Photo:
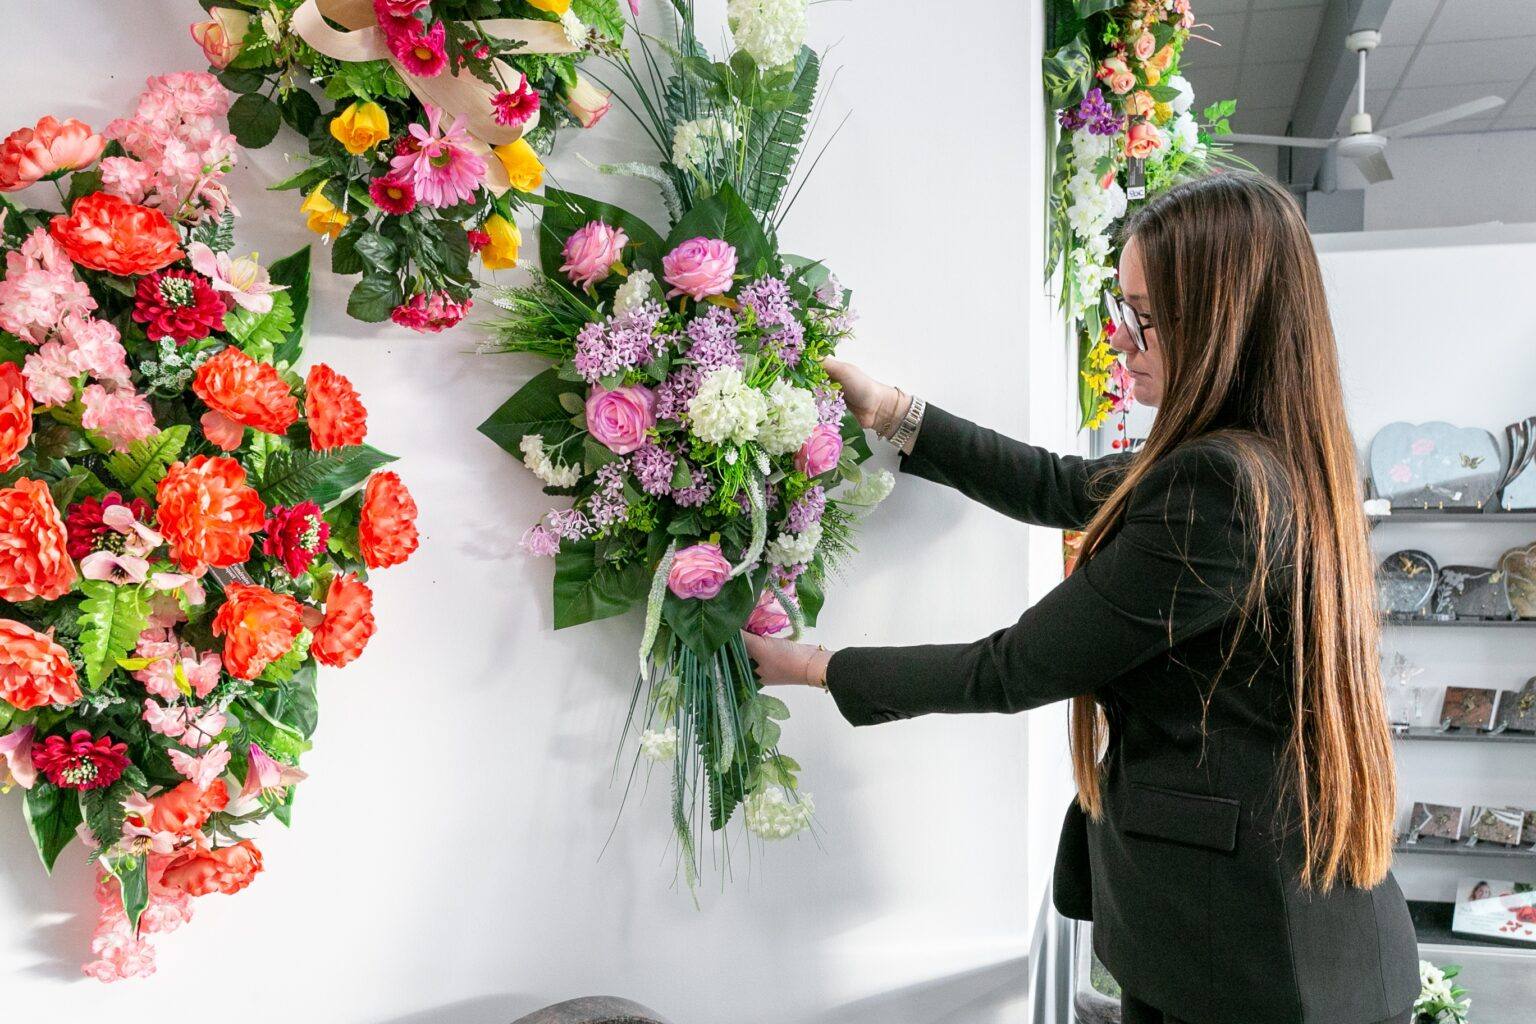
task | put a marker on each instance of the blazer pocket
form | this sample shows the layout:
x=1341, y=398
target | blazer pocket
x=1193, y=819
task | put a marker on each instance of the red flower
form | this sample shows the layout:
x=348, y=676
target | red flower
x=395, y=196
x=477, y=239
x=422, y=50
x=86, y=528
x=15, y=416
x=208, y=512
x=336, y=415
x=295, y=536
x=227, y=869
x=105, y=232
x=386, y=528
x=241, y=392
x=258, y=627
x=348, y=624
x=81, y=762
x=430, y=312
x=516, y=107
x=178, y=304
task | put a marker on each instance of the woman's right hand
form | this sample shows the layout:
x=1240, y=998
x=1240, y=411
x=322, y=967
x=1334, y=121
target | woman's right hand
x=876, y=406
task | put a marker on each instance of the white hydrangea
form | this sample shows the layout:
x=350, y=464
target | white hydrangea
x=1186, y=97
x=1185, y=133
x=575, y=29
x=770, y=31
x=871, y=491
x=795, y=548
x=726, y=410
x=791, y=418
x=696, y=143
x=659, y=746
x=1088, y=148
x=545, y=468
x=1163, y=150
x=634, y=292
x=771, y=814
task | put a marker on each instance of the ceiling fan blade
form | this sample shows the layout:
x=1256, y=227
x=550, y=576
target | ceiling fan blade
x=1374, y=167
x=1279, y=140
x=1444, y=117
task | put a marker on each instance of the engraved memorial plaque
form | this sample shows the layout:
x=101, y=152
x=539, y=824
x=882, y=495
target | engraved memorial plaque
x=1405, y=582
x=1435, y=465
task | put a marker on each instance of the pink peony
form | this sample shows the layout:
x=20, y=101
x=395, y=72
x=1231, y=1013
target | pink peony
x=768, y=617
x=121, y=416
x=591, y=252
x=47, y=152
x=619, y=419
x=820, y=452
x=699, y=571
x=699, y=268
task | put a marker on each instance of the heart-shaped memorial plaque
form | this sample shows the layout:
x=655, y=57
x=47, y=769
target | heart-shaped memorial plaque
x=1435, y=465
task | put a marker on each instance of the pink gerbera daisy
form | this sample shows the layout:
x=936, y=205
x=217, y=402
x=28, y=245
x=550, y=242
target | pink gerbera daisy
x=393, y=194
x=516, y=107
x=443, y=168
x=423, y=51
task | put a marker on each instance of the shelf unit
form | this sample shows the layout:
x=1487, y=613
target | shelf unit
x=1441, y=848
x=1426, y=732
x=1459, y=623
x=1430, y=515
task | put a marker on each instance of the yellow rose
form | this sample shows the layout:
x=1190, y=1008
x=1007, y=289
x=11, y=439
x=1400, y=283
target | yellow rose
x=1162, y=113
x=501, y=253
x=1153, y=75
x=360, y=127
x=552, y=6
x=524, y=169
x=322, y=215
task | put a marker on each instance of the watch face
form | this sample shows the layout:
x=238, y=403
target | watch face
x=1434, y=821
x=1468, y=708
x=1502, y=825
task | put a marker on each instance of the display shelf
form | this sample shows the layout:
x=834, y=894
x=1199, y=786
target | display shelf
x=1441, y=848
x=1460, y=623
x=1432, y=922
x=1429, y=732
x=1431, y=515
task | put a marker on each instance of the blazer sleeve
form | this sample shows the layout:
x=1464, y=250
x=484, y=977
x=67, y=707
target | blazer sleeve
x=1017, y=479
x=1178, y=565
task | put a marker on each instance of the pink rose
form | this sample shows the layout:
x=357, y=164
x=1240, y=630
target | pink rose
x=768, y=617
x=1146, y=45
x=587, y=103
x=620, y=418
x=1142, y=141
x=699, y=268
x=1117, y=76
x=223, y=36
x=699, y=571
x=820, y=451
x=592, y=251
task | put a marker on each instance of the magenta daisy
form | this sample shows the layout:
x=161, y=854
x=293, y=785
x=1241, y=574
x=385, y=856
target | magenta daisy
x=516, y=107
x=421, y=51
x=443, y=168
x=393, y=194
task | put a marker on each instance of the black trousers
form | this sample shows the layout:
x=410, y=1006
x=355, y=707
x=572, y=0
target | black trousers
x=1134, y=1011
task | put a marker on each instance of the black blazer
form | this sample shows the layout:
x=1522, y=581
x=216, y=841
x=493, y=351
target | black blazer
x=1196, y=905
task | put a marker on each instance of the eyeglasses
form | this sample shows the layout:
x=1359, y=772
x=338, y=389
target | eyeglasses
x=1125, y=318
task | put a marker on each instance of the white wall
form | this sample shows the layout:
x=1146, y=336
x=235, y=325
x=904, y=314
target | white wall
x=444, y=864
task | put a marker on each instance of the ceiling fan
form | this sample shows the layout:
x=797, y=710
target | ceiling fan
x=1364, y=146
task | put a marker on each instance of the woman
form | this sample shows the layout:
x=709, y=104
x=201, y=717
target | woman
x=1218, y=639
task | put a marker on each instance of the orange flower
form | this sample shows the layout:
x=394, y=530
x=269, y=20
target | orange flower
x=336, y=415
x=242, y=393
x=34, y=561
x=386, y=529
x=208, y=513
x=183, y=810
x=33, y=669
x=227, y=869
x=106, y=232
x=348, y=623
x=50, y=150
x=258, y=627
x=15, y=416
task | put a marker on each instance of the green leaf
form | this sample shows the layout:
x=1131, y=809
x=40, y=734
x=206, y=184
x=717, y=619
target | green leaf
x=52, y=814
x=727, y=216
x=299, y=110
x=282, y=670
x=133, y=882
x=603, y=15
x=83, y=183
x=295, y=702
x=143, y=465
x=566, y=212
x=374, y=298
x=260, y=334
x=537, y=408
x=236, y=80
x=382, y=254
x=254, y=120
x=218, y=235
x=292, y=476
x=1068, y=73
x=586, y=591
x=292, y=272
x=303, y=180
x=808, y=592
x=706, y=625
x=111, y=619
x=760, y=717
x=775, y=136
x=102, y=810
x=12, y=349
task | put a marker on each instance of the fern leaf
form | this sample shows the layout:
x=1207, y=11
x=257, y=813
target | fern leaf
x=143, y=465
x=111, y=619
x=259, y=334
x=774, y=138
x=289, y=477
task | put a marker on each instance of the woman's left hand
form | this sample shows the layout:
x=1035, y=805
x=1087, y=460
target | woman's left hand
x=784, y=662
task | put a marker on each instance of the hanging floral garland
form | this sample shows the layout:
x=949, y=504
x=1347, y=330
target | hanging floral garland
x=1128, y=132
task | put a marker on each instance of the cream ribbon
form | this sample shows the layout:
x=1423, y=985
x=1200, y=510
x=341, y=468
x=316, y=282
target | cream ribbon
x=456, y=93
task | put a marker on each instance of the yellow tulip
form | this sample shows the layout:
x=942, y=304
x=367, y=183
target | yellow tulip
x=501, y=253
x=322, y=215
x=524, y=168
x=552, y=6
x=360, y=127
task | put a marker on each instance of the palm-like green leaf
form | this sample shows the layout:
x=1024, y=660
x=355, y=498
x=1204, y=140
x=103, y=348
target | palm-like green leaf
x=289, y=477
x=774, y=138
x=111, y=619
x=143, y=465
x=260, y=334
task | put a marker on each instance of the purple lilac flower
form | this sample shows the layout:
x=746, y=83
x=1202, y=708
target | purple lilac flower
x=830, y=405
x=714, y=340
x=606, y=505
x=784, y=576
x=788, y=342
x=770, y=499
x=807, y=511
x=701, y=491
x=653, y=466
x=674, y=393
x=619, y=343
x=568, y=524
x=540, y=541
x=769, y=298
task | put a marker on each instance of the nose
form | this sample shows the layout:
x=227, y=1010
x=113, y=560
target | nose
x=1120, y=339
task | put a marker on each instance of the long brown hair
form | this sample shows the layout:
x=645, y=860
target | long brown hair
x=1250, y=362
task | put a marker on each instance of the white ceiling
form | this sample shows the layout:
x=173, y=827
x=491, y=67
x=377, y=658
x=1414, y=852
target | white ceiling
x=1434, y=54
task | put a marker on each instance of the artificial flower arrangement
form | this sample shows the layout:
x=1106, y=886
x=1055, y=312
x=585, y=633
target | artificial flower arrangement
x=1441, y=1000
x=1113, y=78
x=436, y=113
x=712, y=465
x=186, y=525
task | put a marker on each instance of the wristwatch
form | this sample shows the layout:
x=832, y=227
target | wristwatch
x=905, y=435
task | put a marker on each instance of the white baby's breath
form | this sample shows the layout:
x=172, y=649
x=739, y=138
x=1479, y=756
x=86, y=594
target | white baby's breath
x=795, y=548
x=542, y=466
